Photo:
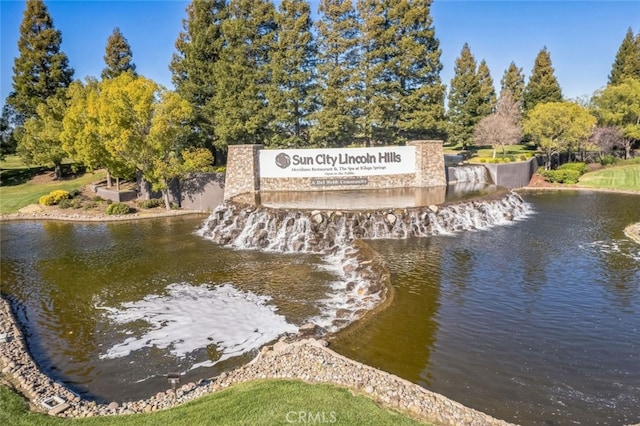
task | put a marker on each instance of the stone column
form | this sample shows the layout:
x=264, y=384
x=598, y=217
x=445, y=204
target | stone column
x=429, y=163
x=243, y=174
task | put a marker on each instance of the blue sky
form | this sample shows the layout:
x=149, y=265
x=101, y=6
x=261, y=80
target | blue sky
x=582, y=36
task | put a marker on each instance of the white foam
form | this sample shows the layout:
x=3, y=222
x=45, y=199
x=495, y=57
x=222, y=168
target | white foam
x=191, y=317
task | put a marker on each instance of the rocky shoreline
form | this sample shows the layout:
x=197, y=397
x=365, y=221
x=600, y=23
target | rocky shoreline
x=304, y=359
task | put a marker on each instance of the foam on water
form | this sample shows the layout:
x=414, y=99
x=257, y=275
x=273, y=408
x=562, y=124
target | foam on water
x=190, y=317
x=622, y=247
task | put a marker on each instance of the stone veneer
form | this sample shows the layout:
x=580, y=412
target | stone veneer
x=243, y=173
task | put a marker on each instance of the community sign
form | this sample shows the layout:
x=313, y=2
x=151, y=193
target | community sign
x=337, y=162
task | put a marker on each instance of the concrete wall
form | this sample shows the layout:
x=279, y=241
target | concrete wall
x=513, y=175
x=243, y=173
x=199, y=191
x=202, y=191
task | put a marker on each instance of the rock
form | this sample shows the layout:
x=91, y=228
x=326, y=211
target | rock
x=113, y=406
x=310, y=330
x=433, y=208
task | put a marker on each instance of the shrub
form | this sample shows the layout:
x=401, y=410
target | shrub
x=66, y=203
x=579, y=167
x=483, y=160
x=59, y=194
x=118, y=209
x=561, y=176
x=608, y=160
x=151, y=204
x=46, y=200
x=90, y=205
x=220, y=169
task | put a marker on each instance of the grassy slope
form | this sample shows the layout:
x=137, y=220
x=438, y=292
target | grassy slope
x=266, y=402
x=17, y=191
x=625, y=177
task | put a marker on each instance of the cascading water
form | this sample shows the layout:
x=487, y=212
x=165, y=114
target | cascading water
x=469, y=174
x=335, y=234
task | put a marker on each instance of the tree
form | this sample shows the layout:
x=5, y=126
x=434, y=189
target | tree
x=558, y=126
x=334, y=124
x=193, y=67
x=627, y=61
x=502, y=127
x=542, y=85
x=144, y=126
x=607, y=139
x=242, y=74
x=40, y=141
x=118, y=56
x=41, y=69
x=81, y=137
x=463, y=99
x=124, y=114
x=619, y=106
x=380, y=93
x=422, y=113
x=8, y=142
x=513, y=82
x=292, y=75
x=486, y=91
x=164, y=157
x=403, y=96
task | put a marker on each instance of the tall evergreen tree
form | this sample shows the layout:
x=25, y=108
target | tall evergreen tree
x=378, y=111
x=41, y=68
x=243, y=75
x=422, y=103
x=402, y=93
x=486, y=91
x=198, y=49
x=338, y=60
x=118, y=56
x=543, y=86
x=513, y=82
x=463, y=98
x=627, y=62
x=291, y=97
x=7, y=137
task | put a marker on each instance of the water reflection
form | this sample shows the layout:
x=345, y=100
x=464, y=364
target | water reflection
x=535, y=322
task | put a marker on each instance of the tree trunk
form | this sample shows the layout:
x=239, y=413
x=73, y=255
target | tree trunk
x=627, y=149
x=165, y=196
x=57, y=171
x=108, y=179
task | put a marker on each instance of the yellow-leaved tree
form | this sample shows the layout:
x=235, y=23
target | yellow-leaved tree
x=558, y=127
x=146, y=127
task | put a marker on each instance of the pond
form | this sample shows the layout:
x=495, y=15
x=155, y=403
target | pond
x=534, y=322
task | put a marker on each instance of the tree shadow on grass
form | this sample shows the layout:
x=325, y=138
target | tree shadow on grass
x=13, y=177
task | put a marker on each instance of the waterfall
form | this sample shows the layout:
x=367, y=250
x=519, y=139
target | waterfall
x=469, y=173
x=335, y=235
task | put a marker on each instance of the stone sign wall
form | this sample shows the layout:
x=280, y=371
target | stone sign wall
x=250, y=168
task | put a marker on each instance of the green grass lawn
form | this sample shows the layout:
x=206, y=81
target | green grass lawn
x=624, y=176
x=16, y=190
x=487, y=151
x=264, y=402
